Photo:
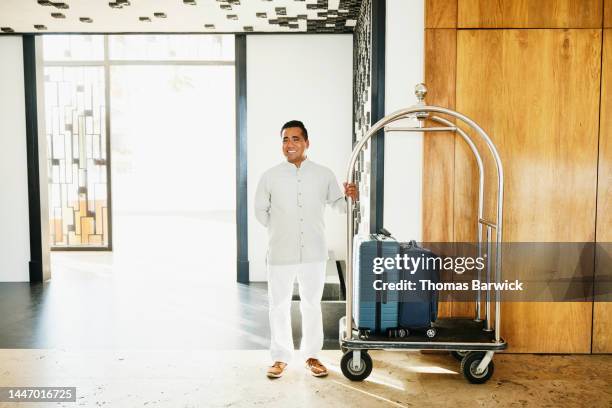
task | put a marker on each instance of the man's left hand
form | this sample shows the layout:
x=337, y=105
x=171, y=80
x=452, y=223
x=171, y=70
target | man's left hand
x=350, y=190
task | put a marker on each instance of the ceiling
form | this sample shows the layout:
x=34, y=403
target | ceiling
x=229, y=16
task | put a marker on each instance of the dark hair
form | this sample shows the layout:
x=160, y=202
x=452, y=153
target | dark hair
x=297, y=124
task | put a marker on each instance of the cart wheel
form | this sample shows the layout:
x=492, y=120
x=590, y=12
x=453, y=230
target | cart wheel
x=459, y=354
x=365, y=368
x=468, y=367
x=403, y=333
x=431, y=332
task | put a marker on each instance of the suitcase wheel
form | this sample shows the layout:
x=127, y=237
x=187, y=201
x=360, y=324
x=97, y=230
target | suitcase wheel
x=470, y=363
x=356, y=373
x=431, y=332
x=401, y=333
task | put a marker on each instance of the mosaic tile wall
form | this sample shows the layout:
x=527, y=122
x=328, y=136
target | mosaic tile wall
x=76, y=138
x=362, y=106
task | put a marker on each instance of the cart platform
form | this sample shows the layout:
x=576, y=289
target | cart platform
x=452, y=334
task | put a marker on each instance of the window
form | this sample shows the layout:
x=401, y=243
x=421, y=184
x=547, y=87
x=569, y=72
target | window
x=172, y=47
x=89, y=94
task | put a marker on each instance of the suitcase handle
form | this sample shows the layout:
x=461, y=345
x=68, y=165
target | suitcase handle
x=413, y=244
x=384, y=232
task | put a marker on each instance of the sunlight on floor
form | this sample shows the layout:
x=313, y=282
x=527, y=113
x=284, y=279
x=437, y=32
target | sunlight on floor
x=430, y=370
x=179, y=249
x=379, y=397
x=374, y=378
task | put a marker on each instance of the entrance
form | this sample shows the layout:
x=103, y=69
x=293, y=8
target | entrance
x=141, y=146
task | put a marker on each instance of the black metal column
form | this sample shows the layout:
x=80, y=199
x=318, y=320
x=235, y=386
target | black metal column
x=242, y=231
x=378, y=112
x=31, y=115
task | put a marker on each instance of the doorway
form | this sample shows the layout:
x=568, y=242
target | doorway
x=141, y=147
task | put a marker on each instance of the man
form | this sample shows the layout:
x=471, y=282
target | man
x=290, y=201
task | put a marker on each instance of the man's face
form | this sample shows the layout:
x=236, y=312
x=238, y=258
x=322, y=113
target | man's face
x=294, y=145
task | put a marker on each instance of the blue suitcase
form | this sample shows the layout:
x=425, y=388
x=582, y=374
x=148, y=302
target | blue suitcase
x=419, y=309
x=374, y=311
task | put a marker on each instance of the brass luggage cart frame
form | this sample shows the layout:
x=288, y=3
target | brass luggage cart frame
x=473, y=341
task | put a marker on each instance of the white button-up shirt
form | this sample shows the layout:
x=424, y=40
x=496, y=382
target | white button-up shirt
x=290, y=201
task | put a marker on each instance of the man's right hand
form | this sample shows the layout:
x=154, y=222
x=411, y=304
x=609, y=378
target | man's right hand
x=351, y=190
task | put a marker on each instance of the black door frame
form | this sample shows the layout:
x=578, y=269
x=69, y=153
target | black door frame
x=377, y=188
x=33, y=164
x=35, y=264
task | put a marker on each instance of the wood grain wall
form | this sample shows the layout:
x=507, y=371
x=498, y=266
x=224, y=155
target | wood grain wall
x=534, y=85
x=602, y=309
x=440, y=76
x=544, y=122
x=529, y=13
x=440, y=13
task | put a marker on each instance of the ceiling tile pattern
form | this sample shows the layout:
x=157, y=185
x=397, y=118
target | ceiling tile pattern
x=228, y=16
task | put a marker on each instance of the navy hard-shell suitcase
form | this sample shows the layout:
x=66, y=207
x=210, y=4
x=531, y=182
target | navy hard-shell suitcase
x=418, y=309
x=374, y=311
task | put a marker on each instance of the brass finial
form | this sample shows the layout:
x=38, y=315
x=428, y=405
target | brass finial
x=420, y=90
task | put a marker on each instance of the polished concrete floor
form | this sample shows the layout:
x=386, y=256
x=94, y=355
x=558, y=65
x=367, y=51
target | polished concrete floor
x=153, y=291
x=165, y=378
x=93, y=301
x=91, y=304
x=142, y=327
x=176, y=290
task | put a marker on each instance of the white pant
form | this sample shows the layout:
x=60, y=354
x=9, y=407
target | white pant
x=311, y=278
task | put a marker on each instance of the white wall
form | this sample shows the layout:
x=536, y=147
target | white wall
x=14, y=220
x=403, y=151
x=304, y=77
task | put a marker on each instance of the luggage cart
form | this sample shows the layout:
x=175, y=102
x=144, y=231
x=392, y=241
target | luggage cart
x=473, y=341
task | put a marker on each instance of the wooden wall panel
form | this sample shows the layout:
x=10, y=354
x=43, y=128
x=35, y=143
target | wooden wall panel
x=529, y=13
x=466, y=172
x=440, y=13
x=602, y=311
x=438, y=191
x=607, y=20
x=536, y=92
x=440, y=72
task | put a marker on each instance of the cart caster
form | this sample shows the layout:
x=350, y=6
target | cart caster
x=459, y=354
x=470, y=363
x=356, y=374
x=431, y=332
